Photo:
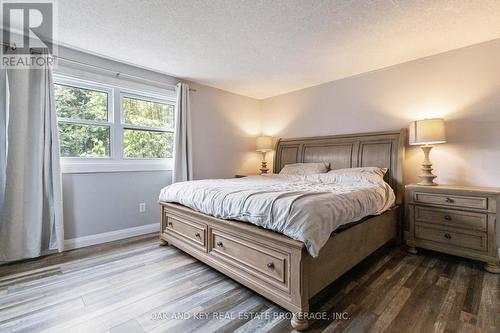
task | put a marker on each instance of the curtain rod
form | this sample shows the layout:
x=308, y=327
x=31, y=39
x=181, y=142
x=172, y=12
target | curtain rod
x=115, y=73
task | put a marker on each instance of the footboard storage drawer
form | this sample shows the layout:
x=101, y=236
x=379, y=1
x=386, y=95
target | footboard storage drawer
x=251, y=257
x=192, y=232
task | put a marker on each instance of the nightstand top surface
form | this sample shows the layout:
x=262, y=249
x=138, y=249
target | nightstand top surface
x=458, y=188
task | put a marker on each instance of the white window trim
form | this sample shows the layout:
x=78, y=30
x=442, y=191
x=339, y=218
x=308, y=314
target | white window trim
x=96, y=165
x=115, y=162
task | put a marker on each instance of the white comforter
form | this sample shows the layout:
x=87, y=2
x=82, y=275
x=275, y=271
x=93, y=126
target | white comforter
x=305, y=208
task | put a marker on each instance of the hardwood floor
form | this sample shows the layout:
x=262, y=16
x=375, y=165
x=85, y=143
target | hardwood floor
x=136, y=286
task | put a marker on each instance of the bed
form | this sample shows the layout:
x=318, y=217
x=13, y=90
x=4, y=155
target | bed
x=281, y=268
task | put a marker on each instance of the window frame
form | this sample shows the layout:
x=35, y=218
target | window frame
x=115, y=162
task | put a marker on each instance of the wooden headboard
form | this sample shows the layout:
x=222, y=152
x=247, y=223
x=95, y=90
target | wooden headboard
x=380, y=149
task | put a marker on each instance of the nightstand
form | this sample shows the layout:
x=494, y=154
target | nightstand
x=458, y=220
x=243, y=176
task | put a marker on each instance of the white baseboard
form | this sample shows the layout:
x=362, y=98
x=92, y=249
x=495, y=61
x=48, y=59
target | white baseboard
x=75, y=243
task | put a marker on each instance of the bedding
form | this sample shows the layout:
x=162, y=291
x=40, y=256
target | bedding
x=363, y=172
x=303, y=169
x=306, y=208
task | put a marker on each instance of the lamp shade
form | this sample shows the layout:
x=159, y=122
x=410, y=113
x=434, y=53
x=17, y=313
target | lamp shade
x=427, y=131
x=264, y=143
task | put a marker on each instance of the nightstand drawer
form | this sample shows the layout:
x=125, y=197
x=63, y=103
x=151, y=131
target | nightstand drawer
x=451, y=200
x=474, y=241
x=452, y=218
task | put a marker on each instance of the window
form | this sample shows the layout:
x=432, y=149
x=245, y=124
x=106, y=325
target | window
x=84, y=127
x=109, y=128
x=147, y=128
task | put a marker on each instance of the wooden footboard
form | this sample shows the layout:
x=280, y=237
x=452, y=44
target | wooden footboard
x=269, y=263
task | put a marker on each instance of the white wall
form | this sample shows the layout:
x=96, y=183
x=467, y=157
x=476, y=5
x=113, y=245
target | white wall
x=463, y=86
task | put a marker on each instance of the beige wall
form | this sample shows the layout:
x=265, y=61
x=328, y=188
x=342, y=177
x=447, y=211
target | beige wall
x=463, y=86
x=224, y=129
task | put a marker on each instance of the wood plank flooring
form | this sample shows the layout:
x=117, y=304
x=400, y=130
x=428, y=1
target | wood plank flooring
x=136, y=286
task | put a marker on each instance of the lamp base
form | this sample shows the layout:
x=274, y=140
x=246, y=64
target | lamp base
x=427, y=181
x=427, y=177
x=263, y=169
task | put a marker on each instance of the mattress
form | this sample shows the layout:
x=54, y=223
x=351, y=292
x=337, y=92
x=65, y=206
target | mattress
x=304, y=208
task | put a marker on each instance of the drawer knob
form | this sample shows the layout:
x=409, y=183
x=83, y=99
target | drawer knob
x=170, y=224
x=197, y=235
x=270, y=265
x=219, y=244
x=447, y=217
x=447, y=236
x=450, y=200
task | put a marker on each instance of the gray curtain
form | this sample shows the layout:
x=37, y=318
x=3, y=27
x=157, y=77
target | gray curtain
x=183, y=165
x=3, y=133
x=31, y=196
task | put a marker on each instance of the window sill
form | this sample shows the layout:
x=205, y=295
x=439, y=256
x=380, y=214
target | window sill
x=108, y=165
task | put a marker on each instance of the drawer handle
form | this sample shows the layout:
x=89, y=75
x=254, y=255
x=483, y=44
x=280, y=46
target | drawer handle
x=270, y=265
x=170, y=224
x=450, y=200
x=447, y=217
x=197, y=235
x=447, y=236
x=219, y=244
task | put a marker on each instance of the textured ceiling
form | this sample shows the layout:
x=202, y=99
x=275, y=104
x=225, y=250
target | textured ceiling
x=265, y=48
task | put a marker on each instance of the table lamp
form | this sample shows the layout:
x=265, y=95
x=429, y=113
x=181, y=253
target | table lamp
x=264, y=144
x=427, y=132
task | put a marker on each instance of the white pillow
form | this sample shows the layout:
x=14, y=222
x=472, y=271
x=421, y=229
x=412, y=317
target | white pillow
x=304, y=169
x=364, y=172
